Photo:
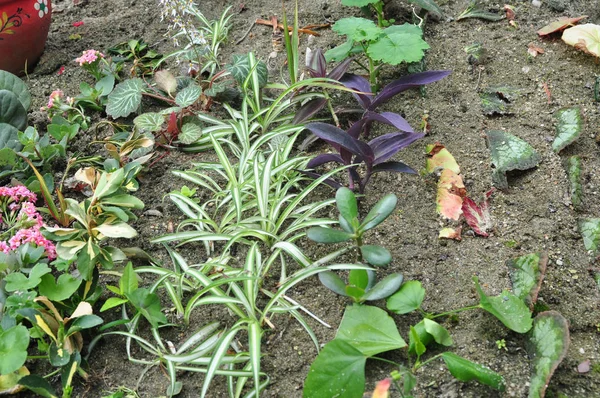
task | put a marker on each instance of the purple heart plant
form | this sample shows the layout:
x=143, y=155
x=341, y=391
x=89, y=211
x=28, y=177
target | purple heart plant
x=375, y=154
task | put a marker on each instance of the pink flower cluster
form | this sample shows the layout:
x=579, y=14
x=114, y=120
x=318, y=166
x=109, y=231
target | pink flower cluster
x=56, y=95
x=89, y=57
x=18, y=213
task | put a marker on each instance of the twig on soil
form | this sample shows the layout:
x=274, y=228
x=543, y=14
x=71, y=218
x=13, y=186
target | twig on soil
x=241, y=39
x=306, y=30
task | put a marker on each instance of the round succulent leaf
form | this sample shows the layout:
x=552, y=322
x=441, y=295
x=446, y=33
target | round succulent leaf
x=13, y=348
x=396, y=48
x=407, y=299
x=357, y=29
x=346, y=204
x=190, y=133
x=376, y=255
x=10, y=82
x=333, y=282
x=384, y=288
x=379, y=212
x=327, y=235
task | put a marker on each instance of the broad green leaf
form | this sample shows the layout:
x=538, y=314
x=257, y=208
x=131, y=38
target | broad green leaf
x=150, y=121
x=376, y=255
x=509, y=153
x=13, y=118
x=430, y=6
x=568, y=127
x=188, y=96
x=507, y=307
x=590, y=231
x=526, y=275
x=190, y=133
x=407, y=299
x=112, y=302
x=12, y=83
x=358, y=3
x=13, y=348
x=575, y=186
x=379, y=212
x=384, y=288
x=148, y=304
x=416, y=344
x=338, y=370
x=439, y=333
x=18, y=281
x=8, y=157
x=38, y=385
x=357, y=29
x=124, y=200
x=240, y=70
x=126, y=98
x=333, y=282
x=419, y=339
x=584, y=37
x=105, y=85
x=354, y=292
x=346, y=204
x=119, y=230
x=9, y=137
x=84, y=322
x=370, y=330
x=340, y=52
x=358, y=278
x=61, y=289
x=548, y=345
x=465, y=370
x=129, y=281
x=58, y=356
x=327, y=235
x=396, y=48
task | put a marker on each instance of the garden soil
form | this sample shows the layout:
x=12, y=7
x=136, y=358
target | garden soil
x=533, y=214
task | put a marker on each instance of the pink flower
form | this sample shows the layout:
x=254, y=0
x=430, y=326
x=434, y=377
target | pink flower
x=54, y=96
x=89, y=57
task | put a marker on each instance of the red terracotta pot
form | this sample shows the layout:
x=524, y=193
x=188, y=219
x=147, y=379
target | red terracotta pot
x=24, y=26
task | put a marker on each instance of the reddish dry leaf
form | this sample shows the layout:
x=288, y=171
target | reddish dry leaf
x=440, y=158
x=509, y=12
x=451, y=233
x=534, y=50
x=562, y=24
x=451, y=191
x=382, y=389
x=478, y=215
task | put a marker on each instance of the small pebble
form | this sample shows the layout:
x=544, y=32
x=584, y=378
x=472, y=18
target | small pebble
x=536, y=3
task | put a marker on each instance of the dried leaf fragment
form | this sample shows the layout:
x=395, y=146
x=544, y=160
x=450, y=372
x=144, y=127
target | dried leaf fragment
x=478, y=215
x=557, y=26
x=534, y=50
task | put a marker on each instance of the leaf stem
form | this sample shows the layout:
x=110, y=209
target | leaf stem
x=472, y=307
x=386, y=360
x=421, y=364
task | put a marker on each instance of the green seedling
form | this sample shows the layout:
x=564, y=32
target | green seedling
x=144, y=59
x=501, y=344
x=362, y=285
x=354, y=230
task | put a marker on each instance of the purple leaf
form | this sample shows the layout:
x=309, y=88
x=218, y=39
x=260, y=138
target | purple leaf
x=309, y=109
x=406, y=82
x=332, y=183
x=317, y=66
x=390, y=118
x=356, y=128
x=361, y=84
x=324, y=158
x=339, y=71
x=337, y=136
x=398, y=167
x=387, y=145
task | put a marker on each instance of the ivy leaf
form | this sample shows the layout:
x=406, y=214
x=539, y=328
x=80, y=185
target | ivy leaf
x=148, y=304
x=465, y=370
x=509, y=153
x=338, y=370
x=370, y=330
x=590, y=231
x=61, y=289
x=188, y=95
x=396, y=48
x=12, y=83
x=240, y=69
x=150, y=121
x=507, y=307
x=407, y=299
x=568, y=128
x=526, y=275
x=548, y=345
x=18, y=281
x=190, y=133
x=357, y=29
x=125, y=99
x=13, y=348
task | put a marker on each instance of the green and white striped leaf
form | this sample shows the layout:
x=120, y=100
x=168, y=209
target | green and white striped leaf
x=188, y=95
x=190, y=133
x=126, y=98
x=150, y=121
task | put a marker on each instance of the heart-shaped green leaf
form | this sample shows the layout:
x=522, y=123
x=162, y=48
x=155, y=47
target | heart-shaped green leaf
x=548, y=345
x=419, y=339
x=190, y=133
x=407, y=299
x=568, y=127
x=396, y=48
x=61, y=289
x=18, y=281
x=13, y=348
x=357, y=29
x=150, y=121
x=370, y=330
x=439, y=333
